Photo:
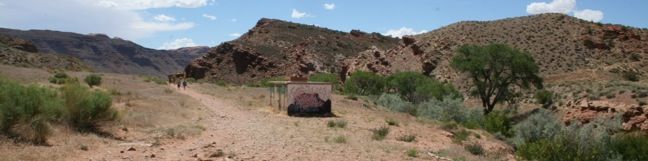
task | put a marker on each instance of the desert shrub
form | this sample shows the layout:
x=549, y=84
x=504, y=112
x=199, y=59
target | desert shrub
x=265, y=82
x=631, y=76
x=93, y=80
x=545, y=98
x=576, y=142
x=432, y=89
x=407, y=138
x=405, y=83
x=340, y=139
x=31, y=108
x=337, y=123
x=498, y=122
x=475, y=149
x=391, y=122
x=631, y=147
x=392, y=102
x=451, y=109
x=364, y=83
x=85, y=108
x=61, y=78
x=380, y=133
x=540, y=125
x=459, y=136
x=326, y=77
x=412, y=153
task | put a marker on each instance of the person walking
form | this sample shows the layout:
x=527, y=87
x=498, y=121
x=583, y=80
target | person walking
x=184, y=84
x=178, y=84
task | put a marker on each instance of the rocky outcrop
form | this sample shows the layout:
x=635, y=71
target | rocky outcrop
x=278, y=48
x=633, y=116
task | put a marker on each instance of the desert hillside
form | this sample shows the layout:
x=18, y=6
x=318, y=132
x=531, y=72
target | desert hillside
x=106, y=54
x=558, y=43
x=19, y=52
x=278, y=48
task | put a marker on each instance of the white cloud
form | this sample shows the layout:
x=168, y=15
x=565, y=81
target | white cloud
x=178, y=43
x=64, y=15
x=589, y=15
x=564, y=7
x=210, y=17
x=555, y=6
x=234, y=20
x=146, y=4
x=1, y=4
x=297, y=14
x=164, y=18
x=402, y=32
x=236, y=34
x=329, y=6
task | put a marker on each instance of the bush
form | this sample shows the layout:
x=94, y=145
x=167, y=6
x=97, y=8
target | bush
x=545, y=98
x=631, y=76
x=391, y=122
x=631, y=147
x=460, y=136
x=451, y=109
x=265, y=82
x=407, y=138
x=93, y=80
x=432, y=89
x=364, y=83
x=326, y=77
x=497, y=122
x=576, y=142
x=340, y=139
x=31, y=108
x=60, y=78
x=405, y=83
x=412, y=153
x=475, y=149
x=392, y=102
x=85, y=108
x=337, y=123
x=415, y=87
x=380, y=133
x=540, y=125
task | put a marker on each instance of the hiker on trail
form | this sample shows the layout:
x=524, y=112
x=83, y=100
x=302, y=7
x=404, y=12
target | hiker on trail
x=178, y=84
x=184, y=84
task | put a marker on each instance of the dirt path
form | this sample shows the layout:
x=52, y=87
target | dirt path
x=235, y=133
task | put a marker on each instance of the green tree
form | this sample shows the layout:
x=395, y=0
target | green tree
x=496, y=70
x=364, y=83
x=93, y=80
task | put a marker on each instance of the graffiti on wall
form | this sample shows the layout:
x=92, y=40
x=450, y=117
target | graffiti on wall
x=309, y=99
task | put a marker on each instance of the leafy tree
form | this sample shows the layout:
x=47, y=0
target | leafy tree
x=93, y=80
x=406, y=83
x=496, y=70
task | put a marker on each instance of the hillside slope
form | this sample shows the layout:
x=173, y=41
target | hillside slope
x=18, y=52
x=280, y=48
x=105, y=54
x=559, y=44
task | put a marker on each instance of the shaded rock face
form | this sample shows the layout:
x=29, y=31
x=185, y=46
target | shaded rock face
x=105, y=54
x=19, y=52
x=278, y=48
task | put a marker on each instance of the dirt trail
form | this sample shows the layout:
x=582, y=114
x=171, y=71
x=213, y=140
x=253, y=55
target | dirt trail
x=257, y=134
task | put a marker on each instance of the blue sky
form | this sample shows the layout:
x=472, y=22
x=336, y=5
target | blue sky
x=178, y=23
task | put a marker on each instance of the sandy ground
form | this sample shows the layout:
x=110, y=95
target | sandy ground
x=210, y=122
x=242, y=133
